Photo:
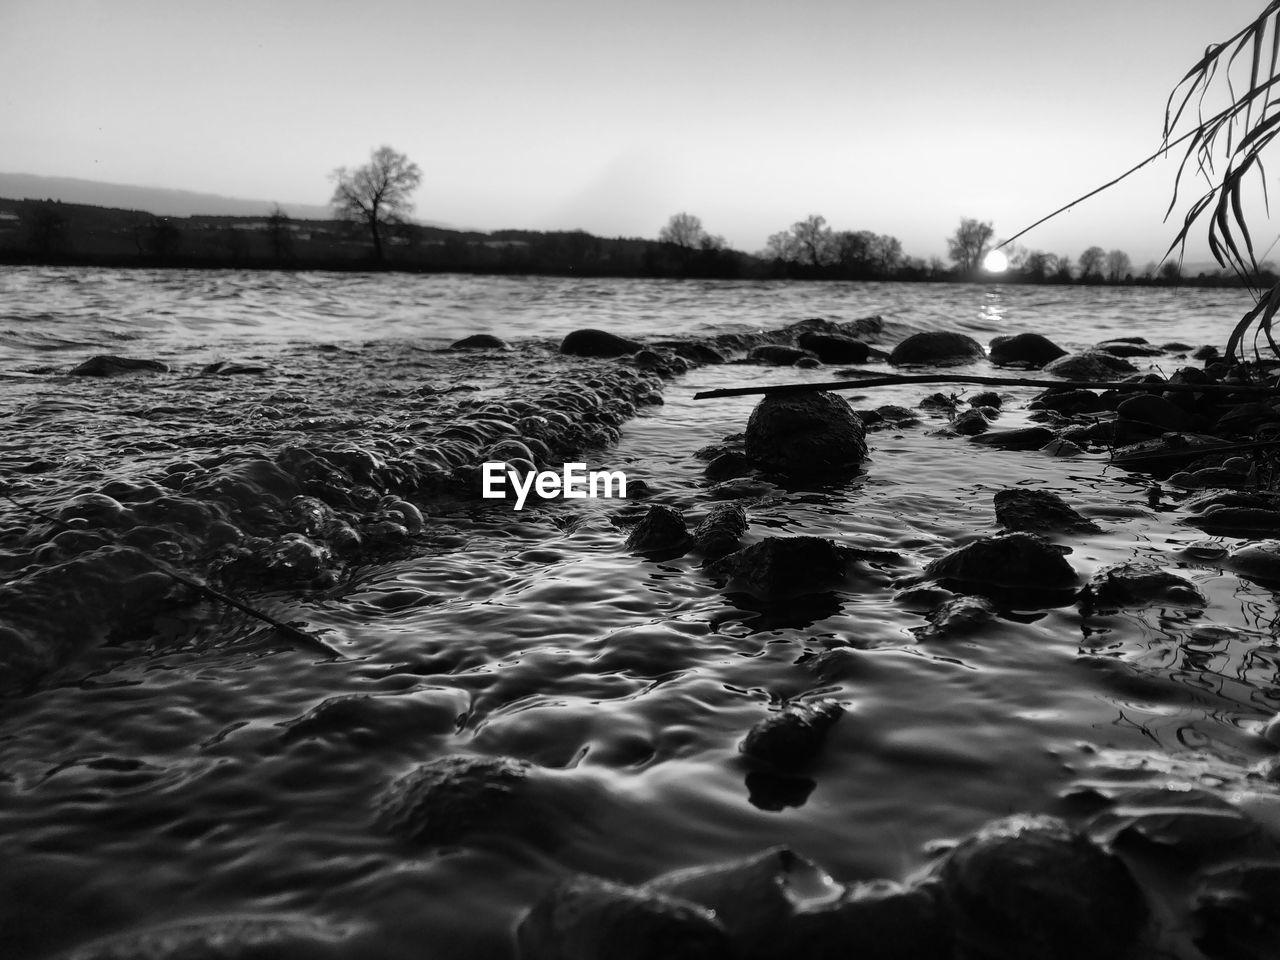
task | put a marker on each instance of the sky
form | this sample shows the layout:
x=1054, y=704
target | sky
x=895, y=116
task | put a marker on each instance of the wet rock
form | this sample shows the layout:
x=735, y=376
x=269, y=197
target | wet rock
x=937, y=347
x=1038, y=511
x=805, y=435
x=661, y=530
x=794, y=736
x=1237, y=522
x=1205, y=352
x=957, y=616
x=376, y=720
x=1149, y=408
x=1069, y=402
x=987, y=398
x=1020, y=560
x=1090, y=365
x=779, y=568
x=720, y=531
x=834, y=348
x=1259, y=562
x=1207, y=478
x=587, y=918
x=598, y=343
x=227, y=937
x=1031, y=888
x=777, y=354
x=228, y=368
x=480, y=341
x=1137, y=583
x=446, y=799
x=1059, y=447
x=1023, y=438
x=970, y=423
x=1238, y=912
x=727, y=466
x=105, y=365
x=1163, y=453
x=697, y=352
x=1025, y=350
x=875, y=920
x=1129, y=347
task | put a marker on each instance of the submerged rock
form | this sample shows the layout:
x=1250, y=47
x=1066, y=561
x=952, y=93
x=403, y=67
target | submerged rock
x=1149, y=408
x=777, y=354
x=598, y=343
x=1022, y=438
x=834, y=348
x=720, y=531
x=1025, y=350
x=1038, y=511
x=970, y=423
x=588, y=918
x=957, y=616
x=1090, y=365
x=480, y=341
x=937, y=347
x=444, y=800
x=1019, y=560
x=805, y=435
x=1137, y=583
x=661, y=530
x=1031, y=888
x=105, y=365
x=794, y=735
x=779, y=568
x=1257, y=561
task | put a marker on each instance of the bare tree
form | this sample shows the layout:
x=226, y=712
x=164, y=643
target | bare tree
x=970, y=244
x=1118, y=265
x=684, y=230
x=280, y=234
x=809, y=241
x=1091, y=262
x=377, y=193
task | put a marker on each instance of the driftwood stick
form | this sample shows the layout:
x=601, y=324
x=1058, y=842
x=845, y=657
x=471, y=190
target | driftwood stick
x=288, y=629
x=888, y=381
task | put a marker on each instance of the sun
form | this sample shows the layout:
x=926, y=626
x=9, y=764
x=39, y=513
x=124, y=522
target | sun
x=995, y=262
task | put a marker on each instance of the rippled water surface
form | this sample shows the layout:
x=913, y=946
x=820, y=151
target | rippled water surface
x=165, y=776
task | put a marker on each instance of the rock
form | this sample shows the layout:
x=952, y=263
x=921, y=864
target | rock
x=105, y=365
x=1068, y=401
x=951, y=617
x=1237, y=522
x=1129, y=347
x=1163, y=453
x=1259, y=562
x=1017, y=560
x=598, y=343
x=794, y=735
x=987, y=398
x=834, y=348
x=970, y=423
x=1025, y=350
x=720, y=531
x=377, y=720
x=1023, y=438
x=1208, y=478
x=777, y=354
x=1031, y=888
x=225, y=937
x=805, y=435
x=1238, y=912
x=480, y=341
x=1205, y=352
x=661, y=530
x=937, y=347
x=779, y=568
x=1150, y=408
x=446, y=799
x=1090, y=365
x=587, y=918
x=1062, y=448
x=727, y=466
x=228, y=368
x=1038, y=511
x=1137, y=583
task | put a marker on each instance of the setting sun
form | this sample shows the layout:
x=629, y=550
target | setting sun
x=995, y=262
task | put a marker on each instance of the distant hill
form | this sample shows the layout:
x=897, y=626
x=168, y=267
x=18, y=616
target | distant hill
x=163, y=203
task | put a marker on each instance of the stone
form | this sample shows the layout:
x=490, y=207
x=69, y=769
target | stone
x=727, y=466
x=1068, y=401
x=1022, y=438
x=1090, y=365
x=970, y=423
x=661, y=530
x=1237, y=522
x=480, y=341
x=805, y=435
x=1129, y=347
x=285, y=936
x=228, y=368
x=937, y=347
x=720, y=531
x=1205, y=352
x=587, y=918
x=1237, y=911
x=834, y=348
x=1137, y=583
x=1038, y=511
x=987, y=398
x=777, y=354
x=780, y=568
x=598, y=343
x=957, y=616
x=1149, y=408
x=1031, y=888
x=1025, y=350
x=446, y=799
x=1017, y=560
x=794, y=736
x=105, y=365
x=1259, y=561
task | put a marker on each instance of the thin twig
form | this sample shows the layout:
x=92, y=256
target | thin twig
x=1122, y=385
x=290, y=631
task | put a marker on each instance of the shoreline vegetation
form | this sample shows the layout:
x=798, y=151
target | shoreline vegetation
x=54, y=233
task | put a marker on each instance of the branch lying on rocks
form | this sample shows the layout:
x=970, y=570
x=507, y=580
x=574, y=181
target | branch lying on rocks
x=874, y=381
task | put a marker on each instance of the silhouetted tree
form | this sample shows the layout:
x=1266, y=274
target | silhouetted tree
x=280, y=235
x=1063, y=273
x=684, y=230
x=1039, y=265
x=863, y=253
x=1170, y=271
x=809, y=241
x=969, y=245
x=377, y=193
x=1118, y=265
x=1091, y=264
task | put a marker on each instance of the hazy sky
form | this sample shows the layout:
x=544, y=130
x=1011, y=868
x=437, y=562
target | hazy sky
x=897, y=116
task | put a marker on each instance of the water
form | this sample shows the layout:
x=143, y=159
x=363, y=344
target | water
x=161, y=775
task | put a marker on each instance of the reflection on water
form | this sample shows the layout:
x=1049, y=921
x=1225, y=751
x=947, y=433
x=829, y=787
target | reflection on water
x=204, y=767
